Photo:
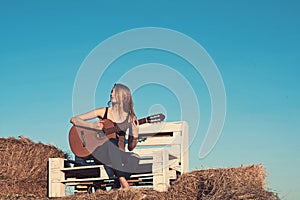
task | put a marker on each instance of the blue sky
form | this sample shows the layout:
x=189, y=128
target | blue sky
x=255, y=45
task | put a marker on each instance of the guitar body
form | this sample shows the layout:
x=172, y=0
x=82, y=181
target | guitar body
x=83, y=140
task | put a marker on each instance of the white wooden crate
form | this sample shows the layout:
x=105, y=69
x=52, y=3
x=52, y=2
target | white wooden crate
x=164, y=154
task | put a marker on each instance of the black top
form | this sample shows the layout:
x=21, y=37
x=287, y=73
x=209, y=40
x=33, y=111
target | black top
x=120, y=132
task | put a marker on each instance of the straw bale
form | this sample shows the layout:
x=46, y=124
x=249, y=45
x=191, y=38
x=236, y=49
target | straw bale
x=23, y=166
x=211, y=184
x=23, y=175
x=131, y=194
x=231, y=183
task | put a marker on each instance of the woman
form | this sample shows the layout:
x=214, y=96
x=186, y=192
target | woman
x=111, y=153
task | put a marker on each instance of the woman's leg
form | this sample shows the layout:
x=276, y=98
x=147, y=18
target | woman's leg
x=122, y=162
x=124, y=183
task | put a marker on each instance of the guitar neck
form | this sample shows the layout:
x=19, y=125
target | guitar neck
x=143, y=120
x=124, y=126
x=115, y=129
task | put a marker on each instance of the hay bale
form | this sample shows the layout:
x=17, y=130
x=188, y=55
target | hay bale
x=23, y=175
x=23, y=166
x=212, y=184
x=131, y=194
x=230, y=183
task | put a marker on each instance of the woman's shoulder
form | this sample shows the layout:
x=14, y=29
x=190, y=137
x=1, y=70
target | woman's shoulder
x=100, y=112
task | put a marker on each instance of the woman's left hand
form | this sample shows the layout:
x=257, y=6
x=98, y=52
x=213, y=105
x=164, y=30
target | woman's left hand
x=135, y=128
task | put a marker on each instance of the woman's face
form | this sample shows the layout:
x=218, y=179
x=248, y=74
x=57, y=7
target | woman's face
x=113, y=95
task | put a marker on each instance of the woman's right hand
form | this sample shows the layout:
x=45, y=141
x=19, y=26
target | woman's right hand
x=98, y=125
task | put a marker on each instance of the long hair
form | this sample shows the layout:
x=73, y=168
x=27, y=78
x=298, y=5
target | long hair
x=123, y=99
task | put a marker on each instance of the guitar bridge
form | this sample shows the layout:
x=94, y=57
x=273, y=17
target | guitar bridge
x=100, y=135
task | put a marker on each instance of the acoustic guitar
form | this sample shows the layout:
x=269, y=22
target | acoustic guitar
x=84, y=140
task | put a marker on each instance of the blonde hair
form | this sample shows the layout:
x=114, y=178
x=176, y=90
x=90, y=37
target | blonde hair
x=124, y=99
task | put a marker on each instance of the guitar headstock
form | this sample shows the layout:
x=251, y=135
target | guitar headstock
x=156, y=118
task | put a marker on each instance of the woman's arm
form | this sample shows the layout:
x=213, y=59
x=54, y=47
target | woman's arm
x=82, y=120
x=133, y=135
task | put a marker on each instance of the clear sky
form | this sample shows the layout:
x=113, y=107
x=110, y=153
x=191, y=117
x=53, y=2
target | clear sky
x=254, y=44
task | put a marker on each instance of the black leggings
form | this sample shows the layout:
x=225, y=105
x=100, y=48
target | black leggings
x=122, y=163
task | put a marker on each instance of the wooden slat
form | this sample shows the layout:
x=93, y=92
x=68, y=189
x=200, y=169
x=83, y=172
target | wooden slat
x=82, y=180
x=161, y=141
x=184, y=148
x=79, y=183
x=81, y=167
x=174, y=150
x=56, y=188
x=160, y=127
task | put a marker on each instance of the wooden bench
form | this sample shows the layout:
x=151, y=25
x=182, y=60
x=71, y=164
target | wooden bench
x=163, y=153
